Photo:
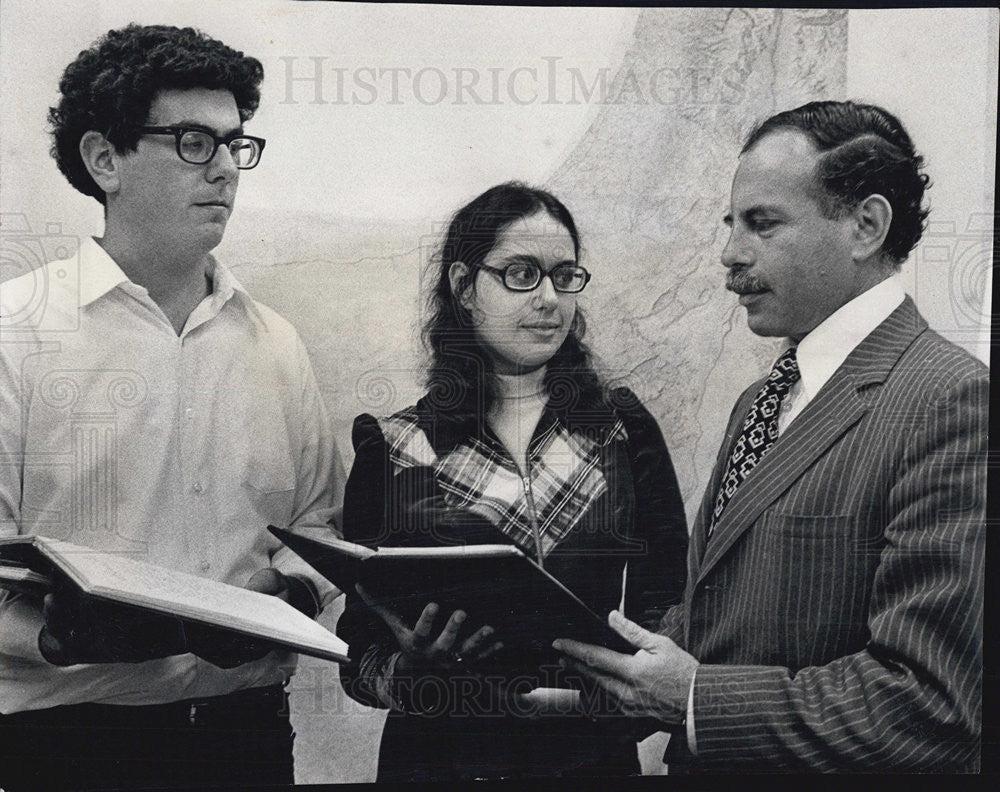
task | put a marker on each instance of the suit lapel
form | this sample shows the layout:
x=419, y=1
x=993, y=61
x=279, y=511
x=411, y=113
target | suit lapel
x=832, y=412
x=704, y=516
x=839, y=405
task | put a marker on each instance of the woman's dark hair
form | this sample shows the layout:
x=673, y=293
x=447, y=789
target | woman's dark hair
x=110, y=87
x=866, y=150
x=460, y=378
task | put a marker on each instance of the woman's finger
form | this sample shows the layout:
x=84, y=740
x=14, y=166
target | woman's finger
x=422, y=629
x=490, y=650
x=448, y=635
x=475, y=643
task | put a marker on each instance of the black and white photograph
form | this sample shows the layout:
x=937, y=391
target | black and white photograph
x=440, y=393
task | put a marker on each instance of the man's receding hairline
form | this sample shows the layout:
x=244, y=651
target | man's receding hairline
x=779, y=130
x=821, y=192
x=828, y=202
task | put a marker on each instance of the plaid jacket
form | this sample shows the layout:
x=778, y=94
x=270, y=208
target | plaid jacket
x=600, y=488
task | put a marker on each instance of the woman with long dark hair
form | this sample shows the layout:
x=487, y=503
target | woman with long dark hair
x=516, y=440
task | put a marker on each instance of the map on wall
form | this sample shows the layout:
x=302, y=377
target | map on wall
x=649, y=185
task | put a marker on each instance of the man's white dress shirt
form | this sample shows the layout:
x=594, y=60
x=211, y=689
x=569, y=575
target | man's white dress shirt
x=118, y=434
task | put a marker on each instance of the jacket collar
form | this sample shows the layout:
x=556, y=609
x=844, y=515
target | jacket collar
x=438, y=423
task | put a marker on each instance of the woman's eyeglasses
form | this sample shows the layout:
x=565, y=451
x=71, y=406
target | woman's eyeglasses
x=526, y=275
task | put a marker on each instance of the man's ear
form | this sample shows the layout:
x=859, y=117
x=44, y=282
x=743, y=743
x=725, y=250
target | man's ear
x=457, y=273
x=100, y=159
x=872, y=218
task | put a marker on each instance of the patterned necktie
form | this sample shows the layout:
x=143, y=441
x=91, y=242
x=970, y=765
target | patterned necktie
x=760, y=430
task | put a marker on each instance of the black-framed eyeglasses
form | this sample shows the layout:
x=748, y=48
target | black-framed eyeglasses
x=526, y=275
x=197, y=146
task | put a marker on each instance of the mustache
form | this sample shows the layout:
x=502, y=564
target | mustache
x=743, y=282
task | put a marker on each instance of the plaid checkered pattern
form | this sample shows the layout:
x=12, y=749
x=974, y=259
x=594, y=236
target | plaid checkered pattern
x=480, y=476
x=760, y=430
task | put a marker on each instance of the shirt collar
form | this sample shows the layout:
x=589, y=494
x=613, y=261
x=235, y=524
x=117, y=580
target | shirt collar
x=100, y=274
x=824, y=349
x=225, y=286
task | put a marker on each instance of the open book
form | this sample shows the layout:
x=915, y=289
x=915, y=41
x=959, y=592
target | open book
x=15, y=577
x=32, y=563
x=495, y=584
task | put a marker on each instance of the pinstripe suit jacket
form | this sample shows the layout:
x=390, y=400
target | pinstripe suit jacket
x=837, y=607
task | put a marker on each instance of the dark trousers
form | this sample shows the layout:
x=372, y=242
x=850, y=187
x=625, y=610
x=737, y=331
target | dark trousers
x=449, y=749
x=242, y=739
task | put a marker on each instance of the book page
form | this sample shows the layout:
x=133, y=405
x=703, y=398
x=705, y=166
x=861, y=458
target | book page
x=457, y=551
x=20, y=578
x=189, y=596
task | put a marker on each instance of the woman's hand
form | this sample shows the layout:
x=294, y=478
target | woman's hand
x=421, y=655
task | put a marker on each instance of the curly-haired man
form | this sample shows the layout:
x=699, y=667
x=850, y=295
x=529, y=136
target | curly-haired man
x=217, y=429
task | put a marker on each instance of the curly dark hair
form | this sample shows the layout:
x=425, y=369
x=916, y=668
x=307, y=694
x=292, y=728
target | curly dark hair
x=867, y=152
x=460, y=377
x=110, y=87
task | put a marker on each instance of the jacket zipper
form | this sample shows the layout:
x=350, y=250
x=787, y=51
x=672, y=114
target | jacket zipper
x=532, y=515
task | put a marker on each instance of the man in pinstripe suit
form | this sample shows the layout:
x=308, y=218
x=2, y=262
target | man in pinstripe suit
x=833, y=613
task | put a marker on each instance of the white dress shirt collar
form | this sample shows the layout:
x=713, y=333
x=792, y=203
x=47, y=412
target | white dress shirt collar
x=100, y=274
x=824, y=349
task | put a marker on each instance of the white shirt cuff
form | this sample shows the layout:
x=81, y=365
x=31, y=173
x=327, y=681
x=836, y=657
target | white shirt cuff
x=692, y=745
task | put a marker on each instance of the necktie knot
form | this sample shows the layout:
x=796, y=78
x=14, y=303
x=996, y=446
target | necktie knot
x=785, y=371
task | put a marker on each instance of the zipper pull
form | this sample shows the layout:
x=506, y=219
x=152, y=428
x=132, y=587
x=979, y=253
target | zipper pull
x=533, y=518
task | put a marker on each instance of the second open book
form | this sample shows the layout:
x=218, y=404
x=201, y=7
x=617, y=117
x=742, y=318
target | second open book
x=495, y=584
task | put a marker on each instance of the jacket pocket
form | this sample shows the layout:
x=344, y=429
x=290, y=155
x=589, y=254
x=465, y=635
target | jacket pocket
x=810, y=585
x=818, y=527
